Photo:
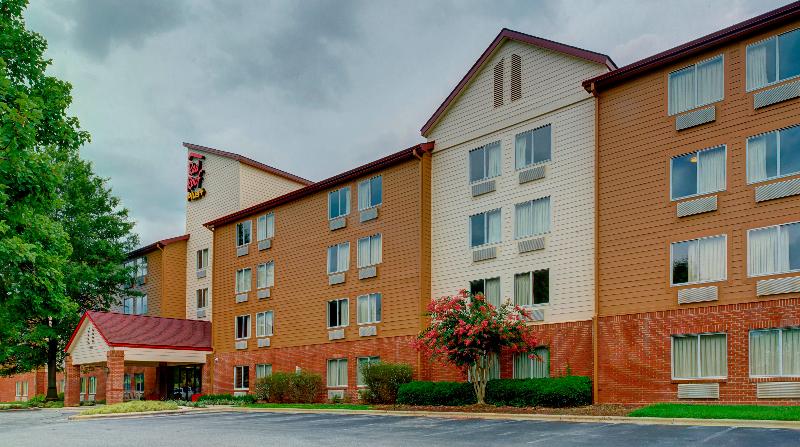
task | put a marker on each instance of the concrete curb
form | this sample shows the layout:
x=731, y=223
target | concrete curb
x=144, y=414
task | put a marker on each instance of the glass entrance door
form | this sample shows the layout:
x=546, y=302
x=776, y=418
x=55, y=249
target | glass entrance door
x=186, y=381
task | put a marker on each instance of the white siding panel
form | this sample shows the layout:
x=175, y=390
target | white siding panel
x=89, y=346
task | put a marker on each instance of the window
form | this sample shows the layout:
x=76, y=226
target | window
x=526, y=367
x=494, y=369
x=338, y=313
x=126, y=382
x=773, y=250
x=774, y=154
x=202, y=298
x=370, y=193
x=532, y=218
x=775, y=352
x=485, y=162
x=83, y=385
x=699, y=260
x=696, y=85
x=202, y=259
x=92, y=385
x=243, y=280
x=264, y=324
x=266, y=226
x=773, y=60
x=265, y=275
x=140, y=305
x=363, y=361
x=241, y=377
x=370, y=250
x=138, y=381
x=369, y=308
x=489, y=288
x=138, y=269
x=127, y=305
x=484, y=228
x=337, y=373
x=532, y=147
x=339, y=258
x=699, y=356
x=242, y=327
x=263, y=370
x=21, y=389
x=243, y=232
x=339, y=203
x=697, y=173
x=532, y=288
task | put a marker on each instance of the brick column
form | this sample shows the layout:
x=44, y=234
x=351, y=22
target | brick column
x=116, y=374
x=72, y=374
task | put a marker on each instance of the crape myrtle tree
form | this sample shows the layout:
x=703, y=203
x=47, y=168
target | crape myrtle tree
x=468, y=332
x=63, y=236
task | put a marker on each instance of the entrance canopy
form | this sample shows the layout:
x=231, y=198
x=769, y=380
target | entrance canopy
x=141, y=338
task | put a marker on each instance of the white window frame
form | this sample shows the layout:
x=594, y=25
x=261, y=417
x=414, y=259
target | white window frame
x=140, y=305
x=530, y=278
x=339, y=269
x=672, y=246
x=485, y=162
x=241, y=225
x=485, y=228
x=694, y=66
x=269, y=275
x=243, y=368
x=514, y=371
x=339, y=192
x=779, y=226
x=516, y=224
x=267, y=330
x=780, y=331
x=267, y=223
x=236, y=327
x=697, y=169
x=338, y=363
x=249, y=282
x=778, y=174
x=370, y=359
x=699, y=363
x=263, y=370
x=369, y=298
x=338, y=312
x=550, y=125
x=370, y=240
x=777, y=61
x=127, y=305
x=369, y=191
x=202, y=259
x=92, y=385
x=201, y=295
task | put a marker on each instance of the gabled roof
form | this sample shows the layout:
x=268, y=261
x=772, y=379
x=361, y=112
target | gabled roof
x=139, y=331
x=377, y=165
x=504, y=35
x=249, y=162
x=158, y=244
x=721, y=37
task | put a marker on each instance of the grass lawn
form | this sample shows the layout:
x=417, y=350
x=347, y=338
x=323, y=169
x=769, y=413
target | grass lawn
x=751, y=412
x=133, y=406
x=312, y=406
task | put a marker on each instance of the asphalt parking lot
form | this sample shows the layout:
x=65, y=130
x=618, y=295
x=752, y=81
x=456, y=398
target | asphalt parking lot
x=51, y=428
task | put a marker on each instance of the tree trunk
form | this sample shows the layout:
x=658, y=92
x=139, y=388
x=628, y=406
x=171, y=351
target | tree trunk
x=52, y=355
x=480, y=375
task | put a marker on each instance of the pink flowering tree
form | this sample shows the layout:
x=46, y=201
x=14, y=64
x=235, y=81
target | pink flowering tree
x=468, y=332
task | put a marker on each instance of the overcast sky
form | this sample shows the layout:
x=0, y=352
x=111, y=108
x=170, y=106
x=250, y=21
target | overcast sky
x=311, y=87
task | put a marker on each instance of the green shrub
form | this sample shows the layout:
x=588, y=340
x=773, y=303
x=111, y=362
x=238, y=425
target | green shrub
x=37, y=400
x=226, y=399
x=302, y=387
x=436, y=393
x=61, y=397
x=383, y=380
x=568, y=391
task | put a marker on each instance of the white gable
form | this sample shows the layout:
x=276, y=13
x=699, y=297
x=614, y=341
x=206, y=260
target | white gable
x=88, y=345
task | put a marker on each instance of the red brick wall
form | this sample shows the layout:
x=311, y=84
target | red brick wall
x=635, y=350
x=37, y=384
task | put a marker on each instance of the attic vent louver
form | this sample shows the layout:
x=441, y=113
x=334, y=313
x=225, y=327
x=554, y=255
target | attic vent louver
x=516, y=77
x=498, y=84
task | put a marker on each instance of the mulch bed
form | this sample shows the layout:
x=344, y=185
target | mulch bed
x=589, y=410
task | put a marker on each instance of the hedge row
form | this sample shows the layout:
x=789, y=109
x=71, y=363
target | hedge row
x=226, y=399
x=569, y=391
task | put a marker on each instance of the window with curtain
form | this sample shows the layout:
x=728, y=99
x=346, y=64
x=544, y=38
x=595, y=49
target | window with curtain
x=370, y=251
x=243, y=280
x=243, y=232
x=140, y=305
x=138, y=382
x=241, y=377
x=532, y=288
x=775, y=352
x=774, y=249
x=537, y=367
x=92, y=385
x=126, y=382
x=485, y=162
x=127, y=305
x=494, y=369
x=370, y=193
x=699, y=260
x=696, y=173
x=485, y=228
x=774, y=154
x=362, y=361
x=489, y=288
x=338, y=313
x=242, y=327
x=264, y=324
x=532, y=218
x=532, y=147
x=263, y=370
x=339, y=203
x=266, y=226
x=696, y=85
x=337, y=373
x=202, y=259
x=265, y=275
x=369, y=308
x=773, y=60
x=699, y=356
x=202, y=298
x=339, y=258
x=83, y=385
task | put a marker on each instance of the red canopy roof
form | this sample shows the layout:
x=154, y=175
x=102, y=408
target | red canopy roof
x=139, y=331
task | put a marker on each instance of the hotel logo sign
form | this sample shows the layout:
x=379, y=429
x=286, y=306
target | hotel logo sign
x=194, y=184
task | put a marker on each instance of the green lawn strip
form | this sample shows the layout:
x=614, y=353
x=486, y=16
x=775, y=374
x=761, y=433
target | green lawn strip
x=312, y=406
x=134, y=406
x=697, y=411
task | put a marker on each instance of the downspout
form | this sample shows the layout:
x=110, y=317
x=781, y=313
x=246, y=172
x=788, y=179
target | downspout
x=213, y=357
x=595, y=323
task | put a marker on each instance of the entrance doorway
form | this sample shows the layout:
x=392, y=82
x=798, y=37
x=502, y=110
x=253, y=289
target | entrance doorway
x=184, y=381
